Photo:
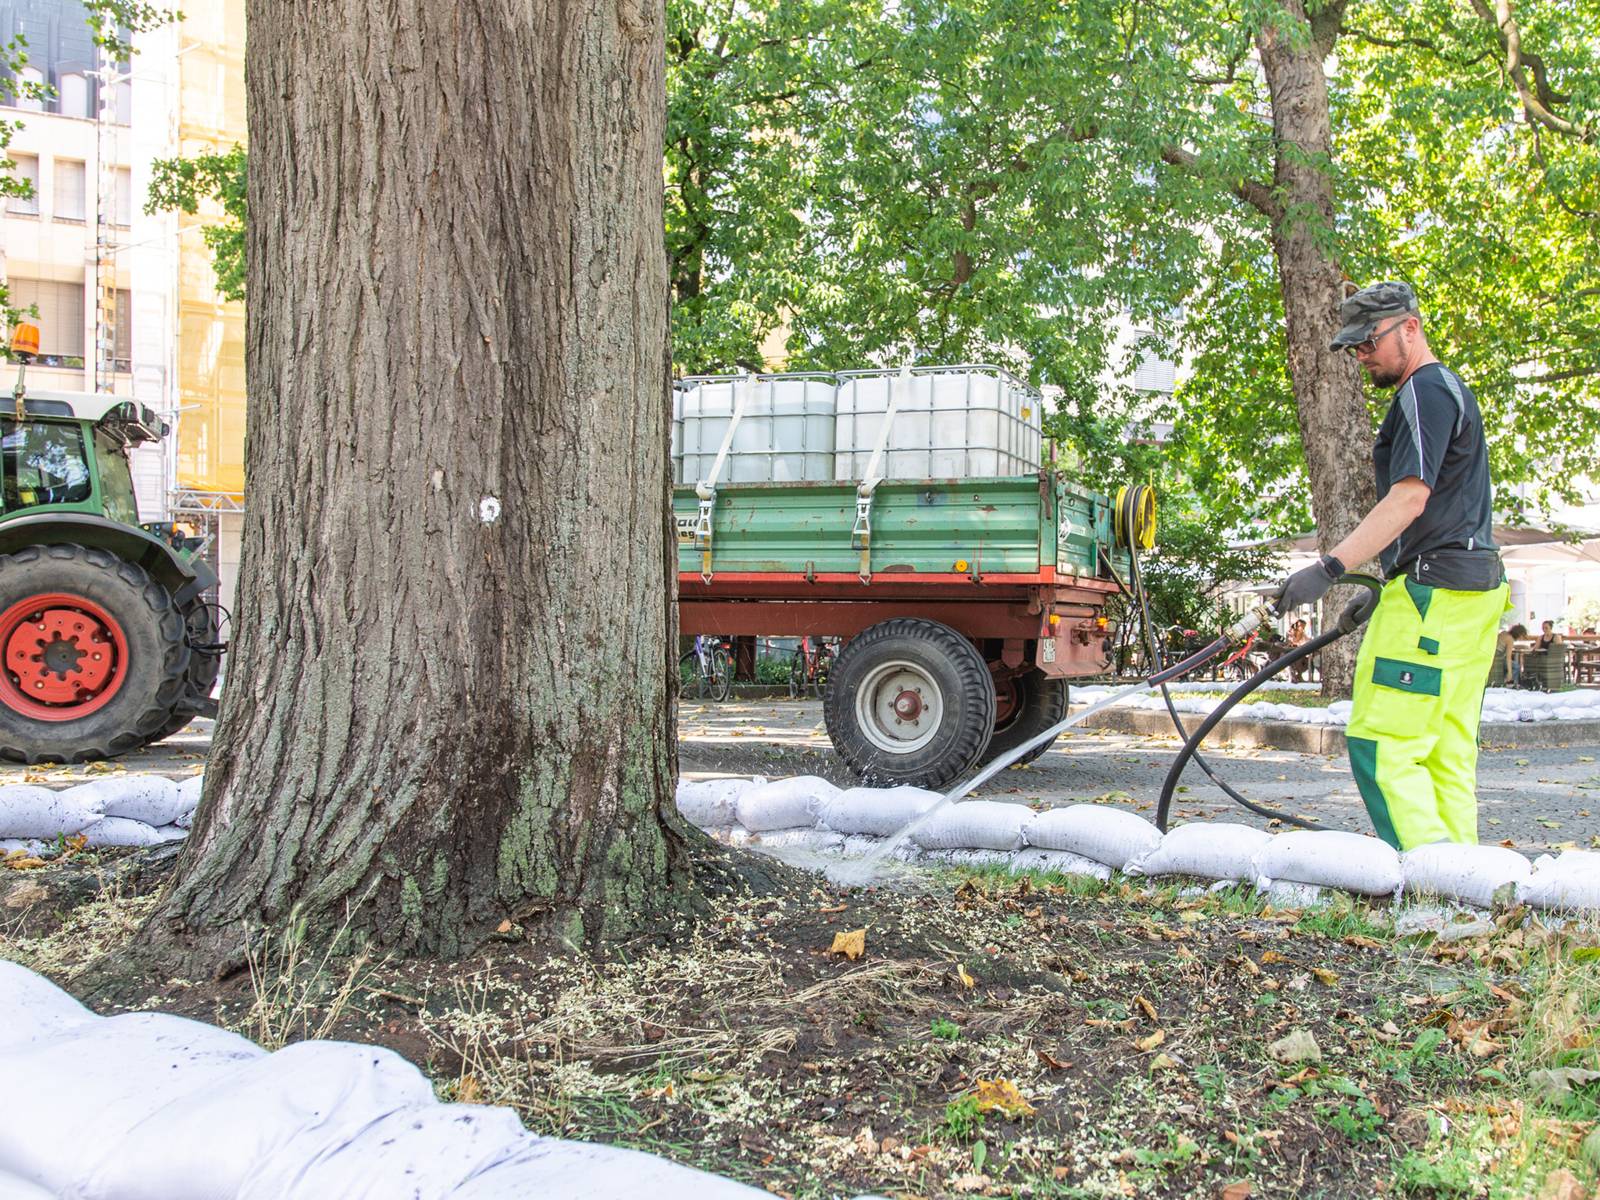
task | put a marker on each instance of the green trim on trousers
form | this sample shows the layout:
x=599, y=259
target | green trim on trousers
x=1413, y=731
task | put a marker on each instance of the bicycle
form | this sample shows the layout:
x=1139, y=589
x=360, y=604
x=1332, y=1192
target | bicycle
x=808, y=669
x=709, y=667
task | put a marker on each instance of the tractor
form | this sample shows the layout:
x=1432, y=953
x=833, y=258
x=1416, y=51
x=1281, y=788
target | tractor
x=108, y=638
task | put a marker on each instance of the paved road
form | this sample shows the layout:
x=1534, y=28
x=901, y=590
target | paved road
x=1533, y=798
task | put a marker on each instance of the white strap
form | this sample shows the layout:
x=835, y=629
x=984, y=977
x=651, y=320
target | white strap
x=742, y=388
x=899, y=389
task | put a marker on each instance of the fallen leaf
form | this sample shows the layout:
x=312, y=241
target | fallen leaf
x=503, y=927
x=1561, y=1184
x=468, y=1090
x=852, y=945
x=969, y=1183
x=1002, y=1096
x=1272, y=956
x=1325, y=976
x=1164, y=1062
x=1149, y=1009
x=965, y=977
x=1235, y=1191
x=1147, y=1044
x=833, y=908
x=1296, y=1046
x=1050, y=1061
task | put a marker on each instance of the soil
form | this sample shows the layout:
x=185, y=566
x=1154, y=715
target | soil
x=996, y=1035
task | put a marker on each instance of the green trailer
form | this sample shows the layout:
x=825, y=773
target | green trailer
x=965, y=604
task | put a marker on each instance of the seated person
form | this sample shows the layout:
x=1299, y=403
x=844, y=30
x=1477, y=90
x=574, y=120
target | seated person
x=1297, y=636
x=1549, y=639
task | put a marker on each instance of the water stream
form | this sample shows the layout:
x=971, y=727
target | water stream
x=875, y=866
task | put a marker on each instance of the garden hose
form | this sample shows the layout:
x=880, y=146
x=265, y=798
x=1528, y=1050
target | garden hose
x=1354, y=616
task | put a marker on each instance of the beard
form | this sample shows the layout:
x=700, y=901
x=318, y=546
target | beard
x=1383, y=377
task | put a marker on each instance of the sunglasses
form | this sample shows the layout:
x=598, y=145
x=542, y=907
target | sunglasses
x=1371, y=344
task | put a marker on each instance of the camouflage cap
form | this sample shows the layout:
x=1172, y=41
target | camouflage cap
x=1360, y=314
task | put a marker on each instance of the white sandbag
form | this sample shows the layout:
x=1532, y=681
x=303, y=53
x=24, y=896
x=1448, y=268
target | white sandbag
x=1062, y=862
x=860, y=845
x=122, y=831
x=152, y=799
x=784, y=803
x=1111, y=836
x=423, y=1152
x=1567, y=884
x=1285, y=893
x=877, y=811
x=189, y=791
x=549, y=1169
x=254, y=1130
x=27, y=811
x=92, y=1082
x=33, y=1010
x=12, y=1188
x=1205, y=850
x=813, y=840
x=28, y=846
x=1330, y=858
x=1471, y=874
x=173, y=832
x=974, y=825
x=708, y=802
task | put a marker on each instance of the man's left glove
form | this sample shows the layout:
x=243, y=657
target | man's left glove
x=1310, y=584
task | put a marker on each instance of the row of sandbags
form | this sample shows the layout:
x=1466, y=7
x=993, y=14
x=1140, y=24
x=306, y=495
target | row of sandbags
x=1277, y=703
x=114, y=810
x=147, y=1106
x=808, y=813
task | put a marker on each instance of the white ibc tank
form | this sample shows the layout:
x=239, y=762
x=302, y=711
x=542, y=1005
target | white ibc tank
x=784, y=436
x=950, y=423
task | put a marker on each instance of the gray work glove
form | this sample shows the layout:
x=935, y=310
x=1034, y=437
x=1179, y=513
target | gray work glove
x=1310, y=584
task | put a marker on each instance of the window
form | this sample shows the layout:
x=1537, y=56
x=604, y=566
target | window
x=60, y=318
x=27, y=170
x=28, y=79
x=122, y=202
x=116, y=481
x=1154, y=373
x=74, y=98
x=69, y=201
x=122, y=331
x=42, y=463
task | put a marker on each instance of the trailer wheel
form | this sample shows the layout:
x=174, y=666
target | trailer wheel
x=94, y=655
x=910, y=701
x=1026, y=704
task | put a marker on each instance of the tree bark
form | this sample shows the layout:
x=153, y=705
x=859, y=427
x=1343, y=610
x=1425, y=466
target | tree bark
x=1335, y=427
x=448, y=704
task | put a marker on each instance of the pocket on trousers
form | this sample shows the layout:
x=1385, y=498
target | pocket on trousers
x=1403, y=676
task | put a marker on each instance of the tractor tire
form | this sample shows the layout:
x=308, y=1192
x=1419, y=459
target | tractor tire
x=1026, y=705
x=909, y=701
x=94, y=657
x=199, y=618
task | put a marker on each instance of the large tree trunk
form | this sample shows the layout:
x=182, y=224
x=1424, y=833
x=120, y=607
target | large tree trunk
x=448, y=706
x=1335, y=427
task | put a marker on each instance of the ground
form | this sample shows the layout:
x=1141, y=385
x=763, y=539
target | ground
x=1002, y=1036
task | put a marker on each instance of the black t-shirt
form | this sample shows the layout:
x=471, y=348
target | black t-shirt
x=1433, y=431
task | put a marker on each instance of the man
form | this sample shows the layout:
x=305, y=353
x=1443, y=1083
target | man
x=1413, y=730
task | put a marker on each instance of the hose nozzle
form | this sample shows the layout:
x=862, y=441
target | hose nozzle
x=1246, y=625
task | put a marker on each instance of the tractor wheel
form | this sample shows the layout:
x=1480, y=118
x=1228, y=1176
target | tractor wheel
x=909, y=701
x=1026, y=704
x=93, y=655
x=200, y=618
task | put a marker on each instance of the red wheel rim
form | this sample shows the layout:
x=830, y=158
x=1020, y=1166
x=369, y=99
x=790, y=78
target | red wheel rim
x=61, y=657
x=1007, y=700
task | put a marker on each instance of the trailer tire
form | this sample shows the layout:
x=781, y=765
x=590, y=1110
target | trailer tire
x=200, y=620
x=1027, y=704
x=910, y=701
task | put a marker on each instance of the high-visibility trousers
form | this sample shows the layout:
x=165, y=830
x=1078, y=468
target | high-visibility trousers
x=1413, y=731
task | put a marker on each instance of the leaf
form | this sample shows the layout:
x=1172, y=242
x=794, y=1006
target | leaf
x=1050, y=1061
x=1585, y=954
x=1326, y=977
x=1002, y=1096
x=1296, y=1046
x=1272, y=956
x=1164, y=1062
x=1147, y=1044
x=965, y=976
x=1236, y=1191
x=852, y=945
x=1146, y=1007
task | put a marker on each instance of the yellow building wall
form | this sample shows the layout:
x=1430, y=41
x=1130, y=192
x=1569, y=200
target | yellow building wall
x=211, y=383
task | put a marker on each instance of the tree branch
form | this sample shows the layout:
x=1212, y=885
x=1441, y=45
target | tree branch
x=1253, y=192
x=1412, y=43
x=1537, y=100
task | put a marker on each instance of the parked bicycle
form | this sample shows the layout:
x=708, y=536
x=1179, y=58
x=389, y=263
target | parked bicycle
x=809, y=667
x=708, y=668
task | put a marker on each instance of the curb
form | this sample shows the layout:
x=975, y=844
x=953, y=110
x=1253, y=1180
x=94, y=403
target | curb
x=1329, y=739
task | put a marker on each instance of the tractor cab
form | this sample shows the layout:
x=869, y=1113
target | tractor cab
x=69, y=452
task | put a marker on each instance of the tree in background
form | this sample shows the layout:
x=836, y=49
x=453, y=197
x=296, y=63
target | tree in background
x=449, y=710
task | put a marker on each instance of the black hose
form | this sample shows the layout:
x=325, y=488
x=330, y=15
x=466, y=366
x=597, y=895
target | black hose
x=1353, y=617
